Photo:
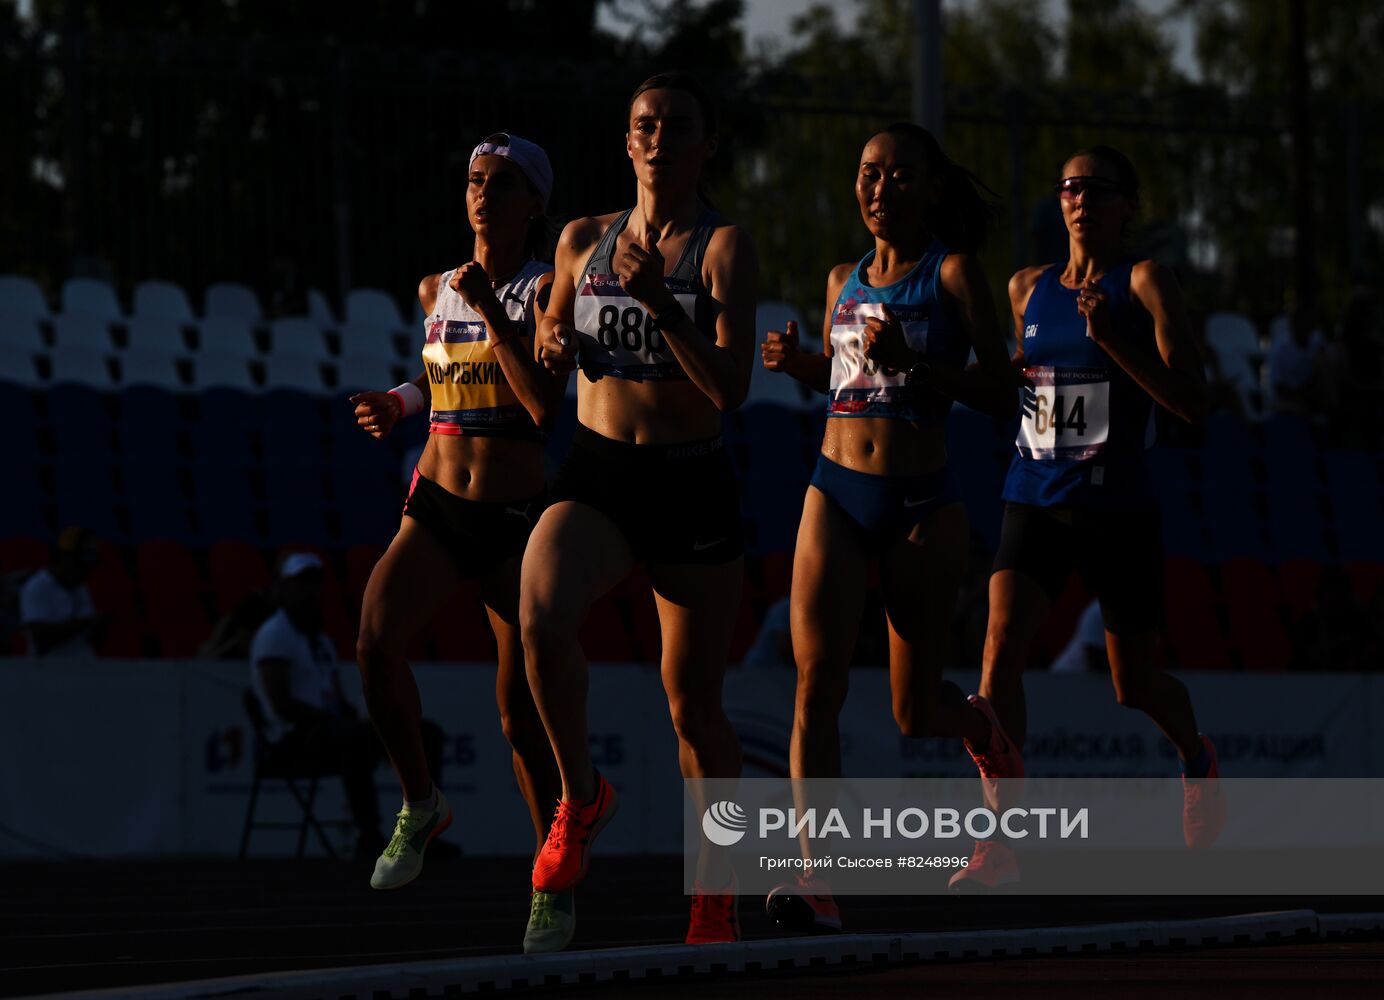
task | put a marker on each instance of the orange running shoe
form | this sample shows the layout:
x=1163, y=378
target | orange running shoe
x=562, y=862
x=992, y=865
x=1203, y=803
x=714, y=916
x=1001, y=760
x=805, y=905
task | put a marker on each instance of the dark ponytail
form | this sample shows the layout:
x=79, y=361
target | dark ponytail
x=540, y=242
x=961, y=218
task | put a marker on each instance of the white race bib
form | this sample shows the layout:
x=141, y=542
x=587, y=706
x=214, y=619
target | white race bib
x=1066, y=413
x=617, y=336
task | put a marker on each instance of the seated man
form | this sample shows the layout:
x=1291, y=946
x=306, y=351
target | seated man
x=55, y=606
x=295, y=676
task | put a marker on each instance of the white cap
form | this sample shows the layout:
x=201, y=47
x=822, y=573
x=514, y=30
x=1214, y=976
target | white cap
x=527, y=156
x=299, y=562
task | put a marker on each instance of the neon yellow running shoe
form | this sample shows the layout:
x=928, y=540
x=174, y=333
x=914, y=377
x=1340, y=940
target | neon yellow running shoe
x=402, y=859
x=552, y=921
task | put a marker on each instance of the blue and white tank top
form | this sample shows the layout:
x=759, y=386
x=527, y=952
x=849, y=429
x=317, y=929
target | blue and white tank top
x=861, y=388
x=616, y=335
x=1085, y=423
x=470, y=394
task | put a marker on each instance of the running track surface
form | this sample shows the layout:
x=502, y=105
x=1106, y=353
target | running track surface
x=86, y=925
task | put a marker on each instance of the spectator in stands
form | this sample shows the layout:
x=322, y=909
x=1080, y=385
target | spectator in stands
x=55, y=605
x=1338, y=634
x=295, y=676
x=1298, y=374
x=1086, y=650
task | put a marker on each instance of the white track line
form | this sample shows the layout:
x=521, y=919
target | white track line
x=612, y=965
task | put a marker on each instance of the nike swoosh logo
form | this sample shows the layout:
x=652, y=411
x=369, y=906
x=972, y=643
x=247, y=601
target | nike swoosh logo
x=524, y=512
x=914, y=503
x=703, y=546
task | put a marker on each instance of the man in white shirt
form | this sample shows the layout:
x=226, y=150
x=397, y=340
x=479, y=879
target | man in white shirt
x=55, y=606
x=307, y=719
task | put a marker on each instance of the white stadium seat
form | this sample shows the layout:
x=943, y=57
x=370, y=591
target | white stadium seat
x=357, y=371
x=20, y=336
x=320, y=311
x=367, y=341
x=233, y=300
x=296, y=336
x=21, y=299
x=150, y=366
x=83, y=366
x=92, y=297
x=775, y=387
x=293, y=371
x=226, y=369
x=228, y=335
x=156, y=333
x=77, y=331
x=372, y=307
x=163, y=299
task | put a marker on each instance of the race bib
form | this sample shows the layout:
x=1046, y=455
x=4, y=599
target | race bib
x=617, y=336
x=1066, y=413
x=859, y=386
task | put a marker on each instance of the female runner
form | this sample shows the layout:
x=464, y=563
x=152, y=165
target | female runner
x=899, y=326
x=1101, y=339
x=656, y=303
x=476, y=495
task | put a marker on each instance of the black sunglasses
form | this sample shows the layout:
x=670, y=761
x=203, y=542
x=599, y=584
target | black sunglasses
x=1100, y=187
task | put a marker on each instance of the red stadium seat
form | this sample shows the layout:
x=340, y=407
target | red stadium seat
x=237, y=570
x=22, y=553
x=637, y=591
x=1300, y=579
x=360, y=563
x=172, y=589
x=1194, y=628
x=1366, y=577
x=113, y=591
x=606, y=636
x=1253, y=601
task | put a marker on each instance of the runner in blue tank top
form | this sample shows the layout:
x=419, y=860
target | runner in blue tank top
x=656, y=305
x=1101, y=339
x=899, y=327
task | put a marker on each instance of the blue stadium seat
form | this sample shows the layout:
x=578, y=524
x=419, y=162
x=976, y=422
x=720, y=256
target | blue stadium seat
x=81, y=426
x=93, y=297
x=21, y=300
x=370, y=502
x=224, y=502
x=1227, y=432
x=979, y=461
x=86, y=495
x=149, y=424
x=158, y=507
x=1232, y=517
x=296, y=505
x=1297, y=529
x=222, y=432
x=292, y=428
x=233, y=300
x=22, y=501
x=1184, y=531
x=162, y=299
x=1353, y=481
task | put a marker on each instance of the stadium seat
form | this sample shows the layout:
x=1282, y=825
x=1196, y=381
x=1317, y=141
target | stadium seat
x=156, y=333
x=980, y=469
x=228, y=335
x=606, y=636
x=1366, y=578
x=221, y=434
x=22, y=503
x=298, y=337
x=775, y=387
x=296, y=506
x=1299, y=580
x=1252, y=603
x=221, y=369
x=113, y=592
x=20, y=336
x=1297, y=529
x=21, y=301
x=149, y=424
x=23, y=553
x=158, y=508
x=1232, y=517
x=93, y=297
x=368, y=341
x=85, y=494
x=149, y=367
x=83, y=368
x=355, y=371
x=74, y=332
x=162, y=300
x=369, y=504
x=237, y=569
x=292, y=429
x=320, y=310
x=1056, y=630
x=294, y=372
x=371, y=307
x=360, y=562
x=224, y=502
x=231, y=300
x=1195, y=631
x=172, y=590
x=1353, y=482
x=79, y=420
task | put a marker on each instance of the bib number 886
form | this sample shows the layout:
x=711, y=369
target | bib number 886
x=633, y=329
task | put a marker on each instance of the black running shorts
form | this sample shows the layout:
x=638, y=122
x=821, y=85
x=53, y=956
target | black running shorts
x=480, y=536
x=673, y=503
x=1119, y=554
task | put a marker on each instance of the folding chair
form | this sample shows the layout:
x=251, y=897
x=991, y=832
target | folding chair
x=268, y=767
